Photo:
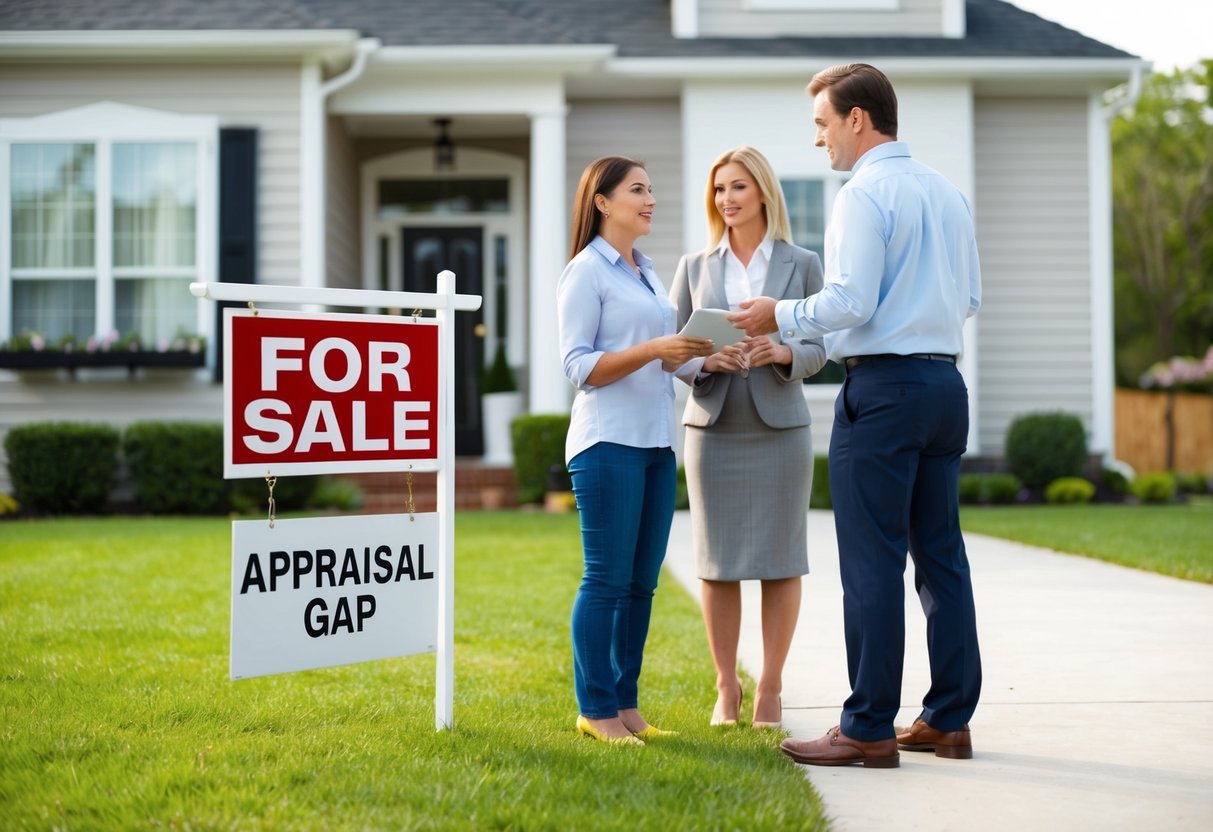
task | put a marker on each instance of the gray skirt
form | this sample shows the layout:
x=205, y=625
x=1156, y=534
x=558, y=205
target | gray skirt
x=749, y=490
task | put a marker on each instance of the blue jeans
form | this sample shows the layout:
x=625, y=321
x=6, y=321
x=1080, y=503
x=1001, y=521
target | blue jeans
x=626, y=499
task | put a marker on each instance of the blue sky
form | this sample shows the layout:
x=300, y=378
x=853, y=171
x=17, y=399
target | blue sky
x=1168, y=32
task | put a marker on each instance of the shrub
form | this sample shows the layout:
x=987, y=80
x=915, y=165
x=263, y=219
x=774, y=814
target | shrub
x=1070, y=490
x=1042, y=447
x=998, y=489
x=1154, y=488
x=336, y=493
x=819, y=496
x=498, y=377
x=62, y=467
x=1191, y=482
x=1114, y=480
x=538, y=445
x=177, y=467
x=8, y=505
x=682, y=498
x=252, y=496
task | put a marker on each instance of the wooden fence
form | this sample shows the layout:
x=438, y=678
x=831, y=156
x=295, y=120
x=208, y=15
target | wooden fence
x=1141, y=430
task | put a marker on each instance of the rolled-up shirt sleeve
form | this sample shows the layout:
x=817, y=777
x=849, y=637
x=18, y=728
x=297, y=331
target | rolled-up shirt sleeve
x=579, y=307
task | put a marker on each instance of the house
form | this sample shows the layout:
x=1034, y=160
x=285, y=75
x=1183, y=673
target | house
x=146, y=144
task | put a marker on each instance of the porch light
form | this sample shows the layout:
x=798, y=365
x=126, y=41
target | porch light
x=444, y=147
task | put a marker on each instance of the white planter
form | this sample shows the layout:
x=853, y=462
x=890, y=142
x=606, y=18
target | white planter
x=497, y=411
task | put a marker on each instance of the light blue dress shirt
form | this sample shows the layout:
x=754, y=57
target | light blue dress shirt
x=901, y=269
x=602, y=307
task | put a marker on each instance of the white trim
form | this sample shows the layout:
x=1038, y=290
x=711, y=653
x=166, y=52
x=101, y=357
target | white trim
x=684, y=18
x=1099, y=194
x=820, y=5
x=955, y=23
x=254, y=44
x=1100, y=70
x=513, y=58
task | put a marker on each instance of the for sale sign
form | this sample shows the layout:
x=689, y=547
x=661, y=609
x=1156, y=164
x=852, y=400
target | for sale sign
x=328, y=393
x=323, y=591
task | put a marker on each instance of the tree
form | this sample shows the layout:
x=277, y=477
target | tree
x=1162, y=205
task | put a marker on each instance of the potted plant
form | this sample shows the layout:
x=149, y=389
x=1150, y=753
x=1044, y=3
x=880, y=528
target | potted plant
x=501, y=403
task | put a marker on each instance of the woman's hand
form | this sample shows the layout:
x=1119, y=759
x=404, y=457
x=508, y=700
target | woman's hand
x=762, y=351
x=731, y=359
x=676, y=350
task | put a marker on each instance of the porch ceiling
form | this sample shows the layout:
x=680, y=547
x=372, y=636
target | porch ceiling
x=384, y=125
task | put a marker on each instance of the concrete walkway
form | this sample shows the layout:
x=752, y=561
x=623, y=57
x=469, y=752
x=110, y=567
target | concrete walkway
x=1097, y=701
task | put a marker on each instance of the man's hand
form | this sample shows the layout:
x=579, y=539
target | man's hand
x=756, y=318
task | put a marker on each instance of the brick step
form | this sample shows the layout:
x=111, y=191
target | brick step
x=476, y=487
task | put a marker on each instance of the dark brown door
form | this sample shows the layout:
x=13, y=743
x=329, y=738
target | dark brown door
x=426, y=252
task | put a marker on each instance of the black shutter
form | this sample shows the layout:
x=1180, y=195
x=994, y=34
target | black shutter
x=237, y=219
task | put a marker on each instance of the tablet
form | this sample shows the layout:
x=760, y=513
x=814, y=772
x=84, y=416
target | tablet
x=710, y=323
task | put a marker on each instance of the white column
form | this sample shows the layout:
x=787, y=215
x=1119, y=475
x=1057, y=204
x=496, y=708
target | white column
x=549, y=231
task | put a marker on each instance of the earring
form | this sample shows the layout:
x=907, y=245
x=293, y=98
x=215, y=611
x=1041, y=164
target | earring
x=606, y=214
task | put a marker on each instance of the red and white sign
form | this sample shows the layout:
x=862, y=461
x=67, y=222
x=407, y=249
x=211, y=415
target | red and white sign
x=328, y=393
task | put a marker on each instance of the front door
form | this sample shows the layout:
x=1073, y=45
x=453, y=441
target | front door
x=426, y=252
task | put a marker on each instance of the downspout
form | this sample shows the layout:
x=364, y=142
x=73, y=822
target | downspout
x=1103, y=375
x=313, y=185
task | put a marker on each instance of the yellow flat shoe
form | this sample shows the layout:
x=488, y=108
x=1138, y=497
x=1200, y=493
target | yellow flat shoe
x=650, y=731
x=587, y=728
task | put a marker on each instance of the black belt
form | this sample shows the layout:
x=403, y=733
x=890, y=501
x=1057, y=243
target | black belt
x=855, y=360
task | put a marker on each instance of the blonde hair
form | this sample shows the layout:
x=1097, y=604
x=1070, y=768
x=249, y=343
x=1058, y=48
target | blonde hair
x=601, y=176
x=776, y=210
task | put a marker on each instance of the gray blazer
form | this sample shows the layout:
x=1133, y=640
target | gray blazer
x=776, y=388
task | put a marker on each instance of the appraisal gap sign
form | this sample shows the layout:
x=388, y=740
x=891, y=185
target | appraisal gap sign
x=328, y=393
x=322, y=591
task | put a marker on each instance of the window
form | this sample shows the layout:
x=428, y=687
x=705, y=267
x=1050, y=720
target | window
x=107, y=231
x=807, y=199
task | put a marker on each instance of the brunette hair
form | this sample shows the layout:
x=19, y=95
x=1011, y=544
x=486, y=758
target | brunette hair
x=601, y=176
x=763, y=174
x=863, y=86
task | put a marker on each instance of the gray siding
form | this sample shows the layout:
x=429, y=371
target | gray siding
x=728, y=18
x=264, y=96
x=1033, y=219
x=649, y=130
x=343, y=266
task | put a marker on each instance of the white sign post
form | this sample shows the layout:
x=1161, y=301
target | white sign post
x=316, y=393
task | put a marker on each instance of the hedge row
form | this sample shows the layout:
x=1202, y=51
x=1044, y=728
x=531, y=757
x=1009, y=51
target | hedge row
x=175, y=468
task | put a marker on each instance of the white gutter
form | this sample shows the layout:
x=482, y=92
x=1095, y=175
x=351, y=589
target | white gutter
x=252, y=45
x=313, y=248
x=970, y=69
x=1103, y=326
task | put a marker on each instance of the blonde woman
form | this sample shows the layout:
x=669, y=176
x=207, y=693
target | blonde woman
x=748, y=455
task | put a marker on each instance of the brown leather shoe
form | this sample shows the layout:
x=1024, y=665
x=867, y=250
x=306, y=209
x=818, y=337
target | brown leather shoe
x=955, y=745
x=837, y=749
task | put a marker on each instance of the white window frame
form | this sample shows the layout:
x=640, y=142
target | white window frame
x=103, y=125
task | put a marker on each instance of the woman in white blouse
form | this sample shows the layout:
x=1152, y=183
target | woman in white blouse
x=748, y=455
x=618, y=347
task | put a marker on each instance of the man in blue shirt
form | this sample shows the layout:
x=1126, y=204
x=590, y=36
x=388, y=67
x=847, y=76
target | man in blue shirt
x=901, y=277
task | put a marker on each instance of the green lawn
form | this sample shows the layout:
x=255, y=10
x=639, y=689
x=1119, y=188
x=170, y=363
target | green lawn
x=1173, y=540
x=116, y=711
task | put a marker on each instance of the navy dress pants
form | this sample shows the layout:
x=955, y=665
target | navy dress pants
x=900, y=427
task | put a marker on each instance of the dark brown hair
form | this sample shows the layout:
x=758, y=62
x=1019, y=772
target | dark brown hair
x=601, y=176
x=863, y=86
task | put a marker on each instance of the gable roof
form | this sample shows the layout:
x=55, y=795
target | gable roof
x=638, y=28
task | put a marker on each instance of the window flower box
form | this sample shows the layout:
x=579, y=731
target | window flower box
x=131, y=359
